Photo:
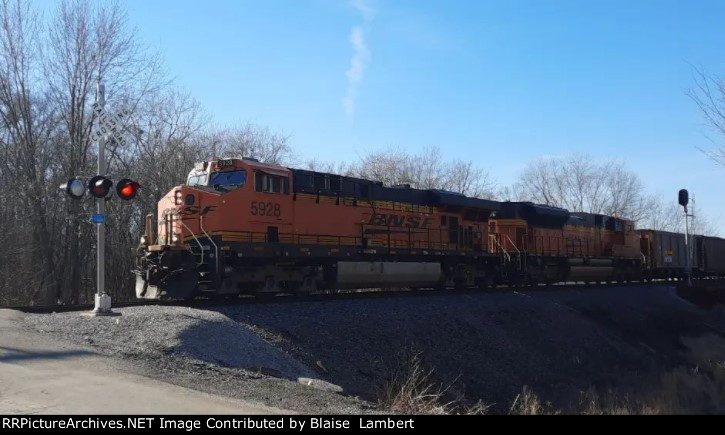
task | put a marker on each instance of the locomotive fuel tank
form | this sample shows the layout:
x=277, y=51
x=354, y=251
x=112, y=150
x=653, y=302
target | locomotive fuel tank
x=354, y=274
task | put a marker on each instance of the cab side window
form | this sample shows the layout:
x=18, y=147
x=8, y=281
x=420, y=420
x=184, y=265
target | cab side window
x=270, y=183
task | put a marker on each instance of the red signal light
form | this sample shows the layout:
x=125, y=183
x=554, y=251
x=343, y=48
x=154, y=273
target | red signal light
x=127, y=189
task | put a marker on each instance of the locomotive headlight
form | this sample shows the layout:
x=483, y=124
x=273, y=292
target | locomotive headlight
x=177, y=197
x=175, y=238
x=144, y=240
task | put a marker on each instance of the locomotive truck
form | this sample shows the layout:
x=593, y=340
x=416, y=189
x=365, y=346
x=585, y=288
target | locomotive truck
x=239, y=226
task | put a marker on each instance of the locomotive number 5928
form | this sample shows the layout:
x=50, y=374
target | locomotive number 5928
x=261, y=208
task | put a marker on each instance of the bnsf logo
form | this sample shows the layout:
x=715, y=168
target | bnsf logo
x=395, y=220
x=192, y=210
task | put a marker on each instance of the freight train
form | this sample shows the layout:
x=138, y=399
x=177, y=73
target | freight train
x=239, y=226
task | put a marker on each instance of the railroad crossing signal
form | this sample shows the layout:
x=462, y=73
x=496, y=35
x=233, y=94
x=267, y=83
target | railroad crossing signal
x=100, y=187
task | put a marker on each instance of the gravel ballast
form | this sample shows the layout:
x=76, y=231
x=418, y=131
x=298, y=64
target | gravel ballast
x=481, y=346
x=200, y=349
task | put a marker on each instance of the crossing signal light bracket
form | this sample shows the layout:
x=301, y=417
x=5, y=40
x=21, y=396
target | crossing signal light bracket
x=127, y=189
x=99, y=186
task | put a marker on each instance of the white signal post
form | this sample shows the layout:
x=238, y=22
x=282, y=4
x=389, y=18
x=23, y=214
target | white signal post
x=688, y=264
x=102, y=299
x=684, y=199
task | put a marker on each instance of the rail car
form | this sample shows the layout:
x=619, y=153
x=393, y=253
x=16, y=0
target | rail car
x=665, y=255
x=239, y=226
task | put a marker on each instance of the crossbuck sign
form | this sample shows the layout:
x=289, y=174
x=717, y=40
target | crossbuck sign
x=109, y=124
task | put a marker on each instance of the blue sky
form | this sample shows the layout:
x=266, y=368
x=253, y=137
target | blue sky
x=499, y=82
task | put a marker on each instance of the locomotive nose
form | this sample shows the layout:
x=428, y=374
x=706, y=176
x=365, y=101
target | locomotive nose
x=170, y=214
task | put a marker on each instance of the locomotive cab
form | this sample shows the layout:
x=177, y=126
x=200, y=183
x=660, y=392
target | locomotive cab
x=218, y=199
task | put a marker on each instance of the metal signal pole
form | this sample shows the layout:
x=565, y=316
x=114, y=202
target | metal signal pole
x=101, y=202
x=102, y=299
x=683, y=198
x=688, y=262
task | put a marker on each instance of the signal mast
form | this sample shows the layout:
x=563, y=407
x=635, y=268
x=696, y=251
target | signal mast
x=99, y=187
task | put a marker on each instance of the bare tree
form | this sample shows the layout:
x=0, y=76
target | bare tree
x=427, y=170
x=624, y=193
x=662, y=215
x=578, y=183
x=699, y=223
x=168, y=138
x=48, y=76
x=463, y=177
x=389, y=167
x=541, y=182
x=667, y=215
x=708, y=94
x=88, y=43
x=24, y=142
x=254, y=141
x=341, y=168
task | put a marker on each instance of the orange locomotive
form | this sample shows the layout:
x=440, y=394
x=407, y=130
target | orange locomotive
x=241, y=226
x=556, y=245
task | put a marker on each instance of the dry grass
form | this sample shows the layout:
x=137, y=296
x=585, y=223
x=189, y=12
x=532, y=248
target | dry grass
x=700, y=388
x=528, y=403
x=695, y=389
x=592, y=403
x=412, y=389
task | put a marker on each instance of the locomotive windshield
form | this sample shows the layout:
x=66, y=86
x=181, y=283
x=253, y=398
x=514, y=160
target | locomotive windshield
x=228, y=180
x=197, y=179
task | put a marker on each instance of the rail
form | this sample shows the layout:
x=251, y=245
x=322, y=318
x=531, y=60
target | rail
x=347, y=294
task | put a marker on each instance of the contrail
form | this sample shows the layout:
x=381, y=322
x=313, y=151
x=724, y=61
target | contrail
x=361, y=55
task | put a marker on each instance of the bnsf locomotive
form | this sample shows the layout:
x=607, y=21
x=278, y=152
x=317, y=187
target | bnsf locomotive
x=241, y=226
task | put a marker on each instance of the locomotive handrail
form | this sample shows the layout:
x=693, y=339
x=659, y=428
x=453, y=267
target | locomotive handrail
x=197, y=242
x=518, y=257
x=500, y=246
x=216, y=248
x=513, y=244
x=181, y=221
x=167, y=227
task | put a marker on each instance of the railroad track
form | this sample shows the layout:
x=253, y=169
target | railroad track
x=347, y=295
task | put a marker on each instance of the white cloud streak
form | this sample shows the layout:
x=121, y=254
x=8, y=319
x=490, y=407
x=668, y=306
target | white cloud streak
x=361, y=55
x=365, y=8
